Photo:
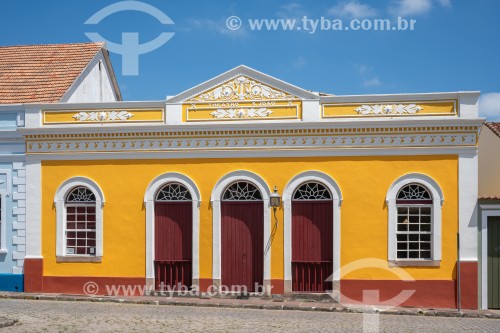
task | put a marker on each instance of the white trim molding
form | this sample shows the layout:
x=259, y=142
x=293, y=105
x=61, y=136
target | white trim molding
x=234, y=139
x=215, y=200
x=60, y=204
x=487, y=211
x=468, y=192
x=33, y=208
x=149, y=203
x=293, y=184
x=437, y=203
x=4, y=193
x=3, y=221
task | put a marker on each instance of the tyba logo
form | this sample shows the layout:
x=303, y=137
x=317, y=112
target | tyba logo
x=130, y=49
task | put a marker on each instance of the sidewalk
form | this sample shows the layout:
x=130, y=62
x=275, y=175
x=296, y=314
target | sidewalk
x=254, y=303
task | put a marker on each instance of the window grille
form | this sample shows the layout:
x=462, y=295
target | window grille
x=173, y=192
x=312, y=191
x=414, y=224
x=80, y=222
x=242, y=191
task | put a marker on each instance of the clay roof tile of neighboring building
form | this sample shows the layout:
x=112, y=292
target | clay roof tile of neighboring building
x=42, y=73
x=495, y=127
x=492, y=198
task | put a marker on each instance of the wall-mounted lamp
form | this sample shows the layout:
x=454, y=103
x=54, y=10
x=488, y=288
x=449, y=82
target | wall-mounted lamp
x=275, y=199
x=275, y=202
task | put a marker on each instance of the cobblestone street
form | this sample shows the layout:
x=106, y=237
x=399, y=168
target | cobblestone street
x=57, y=316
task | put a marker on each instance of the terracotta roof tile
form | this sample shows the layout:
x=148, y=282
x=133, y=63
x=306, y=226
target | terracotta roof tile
x=41, y=73
x=489, y=198
x=495, y=127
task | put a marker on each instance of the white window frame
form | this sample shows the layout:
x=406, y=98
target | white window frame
x=60, y=203
x=436, y=237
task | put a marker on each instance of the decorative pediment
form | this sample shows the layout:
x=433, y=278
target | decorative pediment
x=241, y=89
x=242, y=94
x=242, y=98
x=258, y=86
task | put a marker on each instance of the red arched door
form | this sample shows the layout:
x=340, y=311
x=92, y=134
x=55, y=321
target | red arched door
x=242, y=237
x=312, y=238
x=173, y=237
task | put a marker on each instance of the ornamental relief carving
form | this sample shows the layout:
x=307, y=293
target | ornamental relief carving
x=98, y=116
x=388, y=109
x=241, y=89
x=241, y=113
x=257, y=142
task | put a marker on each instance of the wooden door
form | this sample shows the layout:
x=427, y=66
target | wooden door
x=173, y=244
x=242, y=238
x=494, y=262
x=312, y=245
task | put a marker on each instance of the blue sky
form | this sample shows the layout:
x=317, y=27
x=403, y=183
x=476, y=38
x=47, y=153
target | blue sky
x=455, y=44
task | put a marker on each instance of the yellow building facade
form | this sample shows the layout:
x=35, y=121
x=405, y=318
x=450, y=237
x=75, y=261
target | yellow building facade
x=373, y=191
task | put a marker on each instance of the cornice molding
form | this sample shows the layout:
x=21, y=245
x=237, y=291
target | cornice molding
x=460, y=136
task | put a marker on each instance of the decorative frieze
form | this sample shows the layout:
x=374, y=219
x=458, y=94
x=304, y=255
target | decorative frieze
x=99, y=116
x=259, y=140
x=388, y=109
x=241, y=113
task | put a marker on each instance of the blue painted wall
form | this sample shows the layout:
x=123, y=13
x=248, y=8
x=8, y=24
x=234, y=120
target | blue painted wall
x=13, y=200
x=11, y=282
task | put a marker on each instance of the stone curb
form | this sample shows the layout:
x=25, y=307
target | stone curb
x=245, y=305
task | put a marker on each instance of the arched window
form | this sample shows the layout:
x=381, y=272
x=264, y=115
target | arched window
x=312, y=191
x=414, y=203
x=242, y=191
x=173, y=192
x=81, y=222
x=414, y=222
x=79, y=203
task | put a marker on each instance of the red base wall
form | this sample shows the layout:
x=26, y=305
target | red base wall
x=469, y=284
x=428, y=293
x=94, y=285
x=205, y=284
x=278, y=287
x=33, y=275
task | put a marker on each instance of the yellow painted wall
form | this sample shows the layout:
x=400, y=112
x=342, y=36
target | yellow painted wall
x=279, y=109
x=439, y=108
x=67, y=116
x=364, y=182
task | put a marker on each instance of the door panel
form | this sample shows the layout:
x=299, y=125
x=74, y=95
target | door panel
x=312, y=245
x=242, y=242
x=173, y=243
x=494, y=262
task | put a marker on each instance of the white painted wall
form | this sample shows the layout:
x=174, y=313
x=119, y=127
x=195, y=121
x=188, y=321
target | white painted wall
x=467, y=203
x=469, y=107
x=468, y=183
x=93, y=85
